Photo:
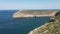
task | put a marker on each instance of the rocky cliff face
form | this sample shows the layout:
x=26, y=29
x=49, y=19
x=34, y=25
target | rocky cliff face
x=32, y=13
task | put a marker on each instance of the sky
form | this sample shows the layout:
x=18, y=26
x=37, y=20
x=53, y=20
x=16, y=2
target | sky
x=29, y=4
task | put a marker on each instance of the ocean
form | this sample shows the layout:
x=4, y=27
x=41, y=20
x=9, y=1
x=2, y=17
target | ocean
x=9, y=25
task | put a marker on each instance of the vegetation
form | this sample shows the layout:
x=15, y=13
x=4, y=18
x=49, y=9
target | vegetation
x=38, y=12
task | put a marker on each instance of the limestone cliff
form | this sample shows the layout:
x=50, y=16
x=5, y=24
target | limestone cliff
x=34, y=13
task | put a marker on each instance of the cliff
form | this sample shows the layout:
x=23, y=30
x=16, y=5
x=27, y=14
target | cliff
x=34, y=13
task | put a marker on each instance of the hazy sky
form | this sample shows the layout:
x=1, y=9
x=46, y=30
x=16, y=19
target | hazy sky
x=29, y=4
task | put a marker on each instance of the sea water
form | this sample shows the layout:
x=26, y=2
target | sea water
x=9, y=25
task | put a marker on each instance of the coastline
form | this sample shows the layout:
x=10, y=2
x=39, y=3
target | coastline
x=35, y=31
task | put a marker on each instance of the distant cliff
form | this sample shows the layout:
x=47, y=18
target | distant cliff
x=34, y=13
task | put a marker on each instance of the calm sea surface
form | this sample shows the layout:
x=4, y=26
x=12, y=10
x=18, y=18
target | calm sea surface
x=8, y=25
